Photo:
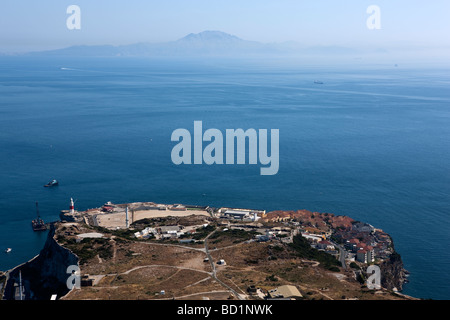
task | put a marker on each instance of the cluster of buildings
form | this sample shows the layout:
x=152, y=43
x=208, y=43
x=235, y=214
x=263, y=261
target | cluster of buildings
x=362, y=241
x=245, y=215
x=321, y=242
x=364, y=253
x=168, y=232
x=365, y=243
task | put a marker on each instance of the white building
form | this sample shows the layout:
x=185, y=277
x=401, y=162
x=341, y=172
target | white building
x=311, y=237
x=365, y=255
x=325, y=245
x=146, y=232
x=169, y=229
x=370, y=254
x=241, y=214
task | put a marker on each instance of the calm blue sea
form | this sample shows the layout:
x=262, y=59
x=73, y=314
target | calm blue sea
x=372, y=142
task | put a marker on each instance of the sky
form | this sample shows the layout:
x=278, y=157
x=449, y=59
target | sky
x=30, y=25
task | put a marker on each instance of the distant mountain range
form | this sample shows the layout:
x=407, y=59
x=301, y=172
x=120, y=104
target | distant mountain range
x=206, y=43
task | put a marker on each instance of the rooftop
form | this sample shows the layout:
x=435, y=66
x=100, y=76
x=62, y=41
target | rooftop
x=286, y=291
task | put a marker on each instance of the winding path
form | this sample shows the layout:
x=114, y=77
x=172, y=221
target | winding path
x=214, y=274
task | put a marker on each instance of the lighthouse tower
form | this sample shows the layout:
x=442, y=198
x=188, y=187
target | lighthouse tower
x=71, y=215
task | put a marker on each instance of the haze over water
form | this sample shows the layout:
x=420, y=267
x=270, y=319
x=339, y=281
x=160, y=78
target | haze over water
x=372, y=143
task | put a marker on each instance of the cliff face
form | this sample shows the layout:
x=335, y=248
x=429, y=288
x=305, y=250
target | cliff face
x=44, y=275
x=392, y=272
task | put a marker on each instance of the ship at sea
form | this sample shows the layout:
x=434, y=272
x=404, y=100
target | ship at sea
x=52, y=183
x=38, y=224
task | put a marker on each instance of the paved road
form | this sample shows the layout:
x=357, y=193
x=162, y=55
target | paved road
x=214, y=270
x=342, y=254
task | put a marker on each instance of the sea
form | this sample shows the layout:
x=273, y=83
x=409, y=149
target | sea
x=367, y=140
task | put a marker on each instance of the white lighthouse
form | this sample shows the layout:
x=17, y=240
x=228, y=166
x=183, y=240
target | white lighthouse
x=72, y=206
x=126, y=218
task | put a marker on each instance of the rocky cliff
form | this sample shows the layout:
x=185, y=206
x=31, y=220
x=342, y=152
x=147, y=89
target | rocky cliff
x=393, y=273
x=44, y=275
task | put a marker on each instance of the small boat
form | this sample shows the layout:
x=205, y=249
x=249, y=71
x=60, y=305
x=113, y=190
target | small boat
x=318, y=82
x=8, y=250
x=38, y=224
x=52, y=183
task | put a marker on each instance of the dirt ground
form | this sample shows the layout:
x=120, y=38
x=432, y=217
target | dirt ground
x=156, y=270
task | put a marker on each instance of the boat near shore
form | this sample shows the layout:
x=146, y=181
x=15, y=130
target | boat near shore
x=38, y=224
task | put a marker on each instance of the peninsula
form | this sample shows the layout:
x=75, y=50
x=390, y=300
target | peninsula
x=147, y=250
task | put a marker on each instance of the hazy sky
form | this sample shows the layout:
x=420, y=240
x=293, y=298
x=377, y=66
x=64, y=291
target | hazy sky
x=36, y=25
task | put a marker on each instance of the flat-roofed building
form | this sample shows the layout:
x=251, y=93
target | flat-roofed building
x=286, y=291
x=236, y=214
x=169, y=229
x=361, y=256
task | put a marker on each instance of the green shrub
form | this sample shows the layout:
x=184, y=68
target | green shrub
x=303, y=249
